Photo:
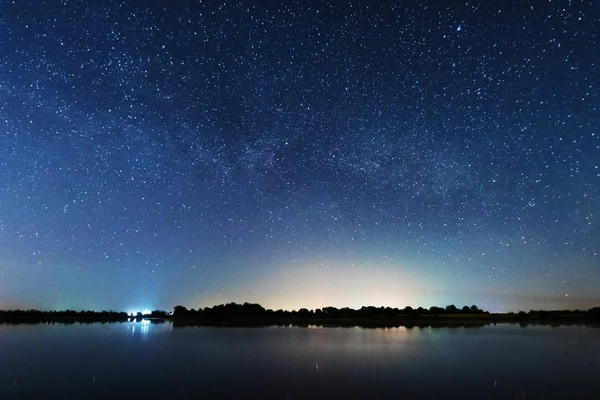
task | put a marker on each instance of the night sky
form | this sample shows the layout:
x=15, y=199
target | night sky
x=299, y=154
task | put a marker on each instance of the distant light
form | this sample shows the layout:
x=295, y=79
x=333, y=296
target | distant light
x=145, y=312
x=459, y=28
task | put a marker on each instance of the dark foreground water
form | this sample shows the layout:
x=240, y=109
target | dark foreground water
x=147, y=361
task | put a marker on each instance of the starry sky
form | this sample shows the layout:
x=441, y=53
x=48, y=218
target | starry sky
x=299, y=153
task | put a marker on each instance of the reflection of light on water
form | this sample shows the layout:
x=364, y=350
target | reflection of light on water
x=144, y=326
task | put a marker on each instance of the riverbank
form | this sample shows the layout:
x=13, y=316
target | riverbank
x=254, y=315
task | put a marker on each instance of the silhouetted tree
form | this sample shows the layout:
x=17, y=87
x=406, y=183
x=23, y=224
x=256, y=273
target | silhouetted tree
x=593, y=313
x=451, y=309
x=180, y=311
x=436, y=310
x=303, y=312
x=158, y=314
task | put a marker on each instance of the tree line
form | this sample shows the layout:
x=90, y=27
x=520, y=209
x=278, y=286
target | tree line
x=74, y=316
x=249, y=310
x=250, y=313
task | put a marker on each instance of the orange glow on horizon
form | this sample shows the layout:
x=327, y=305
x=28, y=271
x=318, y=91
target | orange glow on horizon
x=315, y=286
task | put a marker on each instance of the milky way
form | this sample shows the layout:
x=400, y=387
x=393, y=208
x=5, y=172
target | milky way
x=299, y=153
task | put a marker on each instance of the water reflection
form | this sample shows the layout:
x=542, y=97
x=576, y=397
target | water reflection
x=143, y=359
x=142, y=327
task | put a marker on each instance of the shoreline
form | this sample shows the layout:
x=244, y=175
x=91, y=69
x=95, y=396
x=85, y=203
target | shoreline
x=434, y=321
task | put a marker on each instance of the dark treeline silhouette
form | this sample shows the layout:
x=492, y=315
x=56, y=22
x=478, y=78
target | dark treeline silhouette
x=592, y=314
x=249, y=314
x=255, y=314
x=68, y=316
x=249, y=311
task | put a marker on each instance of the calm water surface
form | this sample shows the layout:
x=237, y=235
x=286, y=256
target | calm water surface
x=135, y=360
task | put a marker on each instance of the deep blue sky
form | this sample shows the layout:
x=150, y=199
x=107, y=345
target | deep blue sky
x=299, y=153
